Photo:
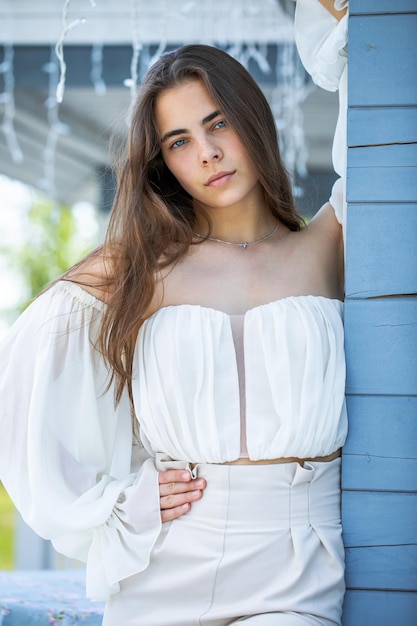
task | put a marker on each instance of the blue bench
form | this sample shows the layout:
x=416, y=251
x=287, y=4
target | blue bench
x=46, y=598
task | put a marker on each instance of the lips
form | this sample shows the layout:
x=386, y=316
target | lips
x=219, y=178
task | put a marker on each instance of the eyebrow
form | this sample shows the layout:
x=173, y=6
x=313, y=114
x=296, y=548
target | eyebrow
x=181, y=131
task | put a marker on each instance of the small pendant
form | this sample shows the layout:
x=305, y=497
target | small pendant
x=244, y=245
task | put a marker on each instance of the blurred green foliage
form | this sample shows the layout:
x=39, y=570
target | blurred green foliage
x=51, y=245
x=7, y=521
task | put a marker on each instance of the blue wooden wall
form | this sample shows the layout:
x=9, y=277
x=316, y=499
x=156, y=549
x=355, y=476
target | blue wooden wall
x=379, y=502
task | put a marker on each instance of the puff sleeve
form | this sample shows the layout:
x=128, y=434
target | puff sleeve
x=65, y=448
x=322, y=44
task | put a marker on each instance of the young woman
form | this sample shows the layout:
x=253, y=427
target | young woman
x=208, y=327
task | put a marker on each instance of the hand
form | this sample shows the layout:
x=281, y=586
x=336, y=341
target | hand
x=177, y=489
x=329, y=5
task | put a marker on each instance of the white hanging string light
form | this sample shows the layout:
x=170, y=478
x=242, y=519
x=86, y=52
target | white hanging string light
x=96, y=73
x=160, y=50
x=56, y=128
x=132, y=81
x=56, y=70
x=8, y=102
x=59, y=48
x=292, y=88
x=164, y=35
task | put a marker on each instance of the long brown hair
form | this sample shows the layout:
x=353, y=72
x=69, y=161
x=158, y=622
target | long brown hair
x=151, y=224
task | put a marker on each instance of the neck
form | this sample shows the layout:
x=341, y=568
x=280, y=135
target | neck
x=237, y=226
x=242, y=244
x=248, y=219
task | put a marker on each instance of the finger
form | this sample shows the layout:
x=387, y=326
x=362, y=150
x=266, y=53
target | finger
x=171, y=476
x=173, y=488
x=174, y=501
x=170, y=514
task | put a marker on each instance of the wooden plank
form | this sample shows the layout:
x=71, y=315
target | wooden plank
x=379, y=518
x=385, y=173
x=368, y=7
x=376, y=256
x=381, y=125
x=382, y=184
x=369, y=472
x=385, y=567
x=383, y=60
x=384, y=426
x=379, y=608
x=381, y=340
x=381, y=449
x=403, y=155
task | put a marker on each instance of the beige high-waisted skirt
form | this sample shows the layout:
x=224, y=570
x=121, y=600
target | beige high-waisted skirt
x=262, y=547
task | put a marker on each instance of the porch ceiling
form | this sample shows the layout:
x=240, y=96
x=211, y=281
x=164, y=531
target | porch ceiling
x=92, y=119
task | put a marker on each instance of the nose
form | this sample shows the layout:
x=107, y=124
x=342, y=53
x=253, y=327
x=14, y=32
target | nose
x=209, y=152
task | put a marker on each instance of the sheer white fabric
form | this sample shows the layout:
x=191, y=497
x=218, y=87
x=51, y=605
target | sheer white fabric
x=322, y=45
x=237, y=324
x=321, y=42
x=65, y=451
x=186, y=387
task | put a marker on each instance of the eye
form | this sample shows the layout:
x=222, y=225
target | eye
x=177, y=144
x=220, y=124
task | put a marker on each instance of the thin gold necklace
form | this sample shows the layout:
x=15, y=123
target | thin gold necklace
x=243, y=245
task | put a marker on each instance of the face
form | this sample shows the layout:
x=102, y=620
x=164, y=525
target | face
x=202, y=150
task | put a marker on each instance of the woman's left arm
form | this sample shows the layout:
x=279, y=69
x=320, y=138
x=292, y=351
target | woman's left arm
x=336, y=7
x=321, y=36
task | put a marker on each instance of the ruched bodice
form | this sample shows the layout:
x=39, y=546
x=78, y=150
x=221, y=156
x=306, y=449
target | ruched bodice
x=186, y=382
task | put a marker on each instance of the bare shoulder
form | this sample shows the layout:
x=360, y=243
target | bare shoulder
x=322, y=244
x=94, y=274
x=324, y=226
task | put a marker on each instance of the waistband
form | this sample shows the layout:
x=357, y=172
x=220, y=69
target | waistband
x=284, y=494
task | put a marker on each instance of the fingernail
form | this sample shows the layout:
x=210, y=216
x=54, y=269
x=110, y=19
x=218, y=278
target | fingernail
x=186, y=475
x=195, y=493
x=184, y=507
x=199, y=483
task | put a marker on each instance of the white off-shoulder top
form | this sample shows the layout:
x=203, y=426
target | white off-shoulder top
x=66, y=449
x=186, y=388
